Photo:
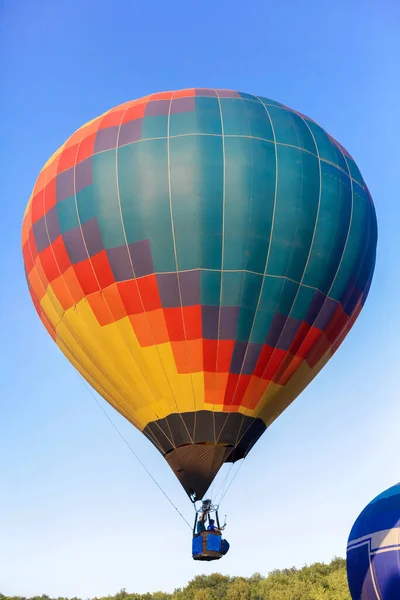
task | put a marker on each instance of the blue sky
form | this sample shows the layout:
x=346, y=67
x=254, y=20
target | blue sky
x=78, y=516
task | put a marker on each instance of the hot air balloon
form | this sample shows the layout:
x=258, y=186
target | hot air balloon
x=198, y=256
x=373, y=549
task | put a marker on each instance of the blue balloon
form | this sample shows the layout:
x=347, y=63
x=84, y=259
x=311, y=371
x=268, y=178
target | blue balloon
x=373, y=549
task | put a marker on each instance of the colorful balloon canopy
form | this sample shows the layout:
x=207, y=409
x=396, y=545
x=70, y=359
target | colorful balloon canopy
x=373, y=549
x=198, y=256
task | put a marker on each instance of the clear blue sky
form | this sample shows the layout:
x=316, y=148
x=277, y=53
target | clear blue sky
x=78, y=516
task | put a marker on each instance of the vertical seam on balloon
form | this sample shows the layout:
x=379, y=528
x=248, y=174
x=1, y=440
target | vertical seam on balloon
x=348, y=233
x=237, y=441
x=52, y=303
x=309, y=253
x=299, y=147
x=370, y=218
x=349, y=227
x=314, y=232
x=71, y=331
x=300, y=283
x=289, y=260
x=98, y=282
x=134, y=276
x=304, y=269
x=222, y=266
x=357, y=274
x=171, y=440
x=245, y=270
x=342, y=256
x=244, y=276
x=300, y=199
x=91, y=359
x=192, y=438
x=123, y=402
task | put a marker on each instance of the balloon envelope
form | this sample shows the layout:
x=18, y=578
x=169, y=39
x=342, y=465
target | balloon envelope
x=198, y=256
x=373, y=549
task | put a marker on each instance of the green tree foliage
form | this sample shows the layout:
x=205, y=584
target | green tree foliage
x=315, y=582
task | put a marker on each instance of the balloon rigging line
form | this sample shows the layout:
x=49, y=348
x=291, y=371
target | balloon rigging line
x=133, y=452
x=232, y=480
x=221, y=491
x=221, y=487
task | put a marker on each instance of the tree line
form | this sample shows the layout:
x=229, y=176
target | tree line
x=318, y=581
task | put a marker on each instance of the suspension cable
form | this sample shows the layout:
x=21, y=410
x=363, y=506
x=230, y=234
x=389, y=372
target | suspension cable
x=132, y=450
x=222, y=485
x=231, y=481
